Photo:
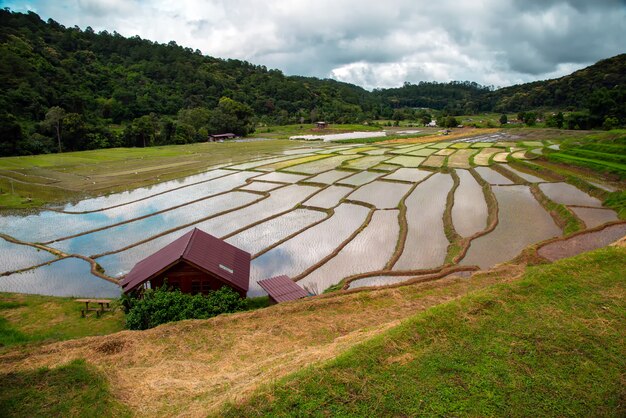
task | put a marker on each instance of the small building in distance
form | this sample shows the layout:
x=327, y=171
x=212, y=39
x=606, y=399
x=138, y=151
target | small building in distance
x=282, y=289
x=221, y=137
x=197, y=262
x=321, y=125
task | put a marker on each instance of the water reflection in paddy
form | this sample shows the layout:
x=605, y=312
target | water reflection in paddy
x=413, y=175
x=528, y=177
x=279, y=201
x=261, y=236
x=469, y=213
x=306, y=249
x=67, y=277
x=115, y=199
x=127, y=234
x=491, y=176
x=330, y=177
x=567, y=194
x=594, y=217
x=48, y=226
x=521, y=221
x=16, y=257
x=381, y=194
x=426, y=243
x=320, y=166
x=329, y=197
x=360, y=178
x=368, y=251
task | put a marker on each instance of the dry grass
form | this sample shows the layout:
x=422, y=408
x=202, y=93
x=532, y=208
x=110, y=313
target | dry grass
x=192, y=367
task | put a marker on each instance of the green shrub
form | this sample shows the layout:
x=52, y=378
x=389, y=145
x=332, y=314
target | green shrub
x=158, y=306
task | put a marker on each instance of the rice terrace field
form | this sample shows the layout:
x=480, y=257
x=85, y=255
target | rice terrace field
x=326, y=215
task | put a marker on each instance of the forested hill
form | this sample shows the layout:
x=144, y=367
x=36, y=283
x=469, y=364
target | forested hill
x=600, y=85
x=71, y=89
x=582, y=89
x=104, y=78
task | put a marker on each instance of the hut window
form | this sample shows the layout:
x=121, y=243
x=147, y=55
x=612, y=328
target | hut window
x=228, y=269
x=175, y=285
x=195, y=286
x=206, y=286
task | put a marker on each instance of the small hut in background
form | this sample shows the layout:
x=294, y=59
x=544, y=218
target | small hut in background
x=321, y=125
x=221, y=137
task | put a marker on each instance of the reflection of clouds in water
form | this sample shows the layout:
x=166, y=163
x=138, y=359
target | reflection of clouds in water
x=49, y=225
x=263, y=235
x=270, y=264
x=67, y=277
x=127, y=234
x=306, y=249
x=123, y=197
x=121, y=263
x=15, y=257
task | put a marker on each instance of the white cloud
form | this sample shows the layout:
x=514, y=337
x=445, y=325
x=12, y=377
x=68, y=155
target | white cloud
x=374, y=44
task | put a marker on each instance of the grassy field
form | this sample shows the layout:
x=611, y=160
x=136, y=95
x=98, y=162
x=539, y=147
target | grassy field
x=75, y=389
x=552, y=344
x=28, y=319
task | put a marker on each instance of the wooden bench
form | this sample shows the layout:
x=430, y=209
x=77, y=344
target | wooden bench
x=105, y=305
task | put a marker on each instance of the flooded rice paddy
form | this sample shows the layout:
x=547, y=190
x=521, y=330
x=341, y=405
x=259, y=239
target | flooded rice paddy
x=595, y=217
x=16, y=257
x=329, y=177
x=381, y=194
x=329, y=197
x=528, y=177
x=358, y=257
x=469, y=212
x=491, y=176
x=361, y=178
x=296, y=255
x=412, y=175
x=302, y=213
x=521, y=222
x=66, y=277
x=426, y=243
x=567, y=194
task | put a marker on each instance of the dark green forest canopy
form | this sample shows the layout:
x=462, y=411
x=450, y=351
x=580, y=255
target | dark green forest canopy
x=71, y=89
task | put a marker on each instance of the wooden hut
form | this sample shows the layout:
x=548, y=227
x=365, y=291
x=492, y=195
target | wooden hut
x=194, y=263
x=282, y=289
x=221, y=137
x=321, y=125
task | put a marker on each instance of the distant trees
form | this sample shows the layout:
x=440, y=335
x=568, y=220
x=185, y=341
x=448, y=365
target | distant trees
x=503, y=119
x=555, y=120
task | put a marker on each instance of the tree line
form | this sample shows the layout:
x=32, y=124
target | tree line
x=65, y=88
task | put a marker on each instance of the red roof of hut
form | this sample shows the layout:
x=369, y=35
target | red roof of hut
x=203, y=251
x=282, y=289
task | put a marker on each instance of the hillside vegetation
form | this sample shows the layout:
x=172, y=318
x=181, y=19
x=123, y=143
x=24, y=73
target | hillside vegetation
x=67, y=88
x=551, y=344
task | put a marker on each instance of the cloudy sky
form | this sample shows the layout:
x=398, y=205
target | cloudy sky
x=371, y=43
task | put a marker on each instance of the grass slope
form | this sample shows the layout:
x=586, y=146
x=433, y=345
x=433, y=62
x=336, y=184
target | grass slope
x=32, y=318
x=551, y=344
x=75, y=389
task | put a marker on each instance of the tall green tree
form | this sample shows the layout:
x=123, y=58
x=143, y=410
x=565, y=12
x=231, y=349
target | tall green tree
x=54, y=119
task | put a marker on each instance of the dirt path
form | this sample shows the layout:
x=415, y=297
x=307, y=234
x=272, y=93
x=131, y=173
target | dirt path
x=192, y=367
